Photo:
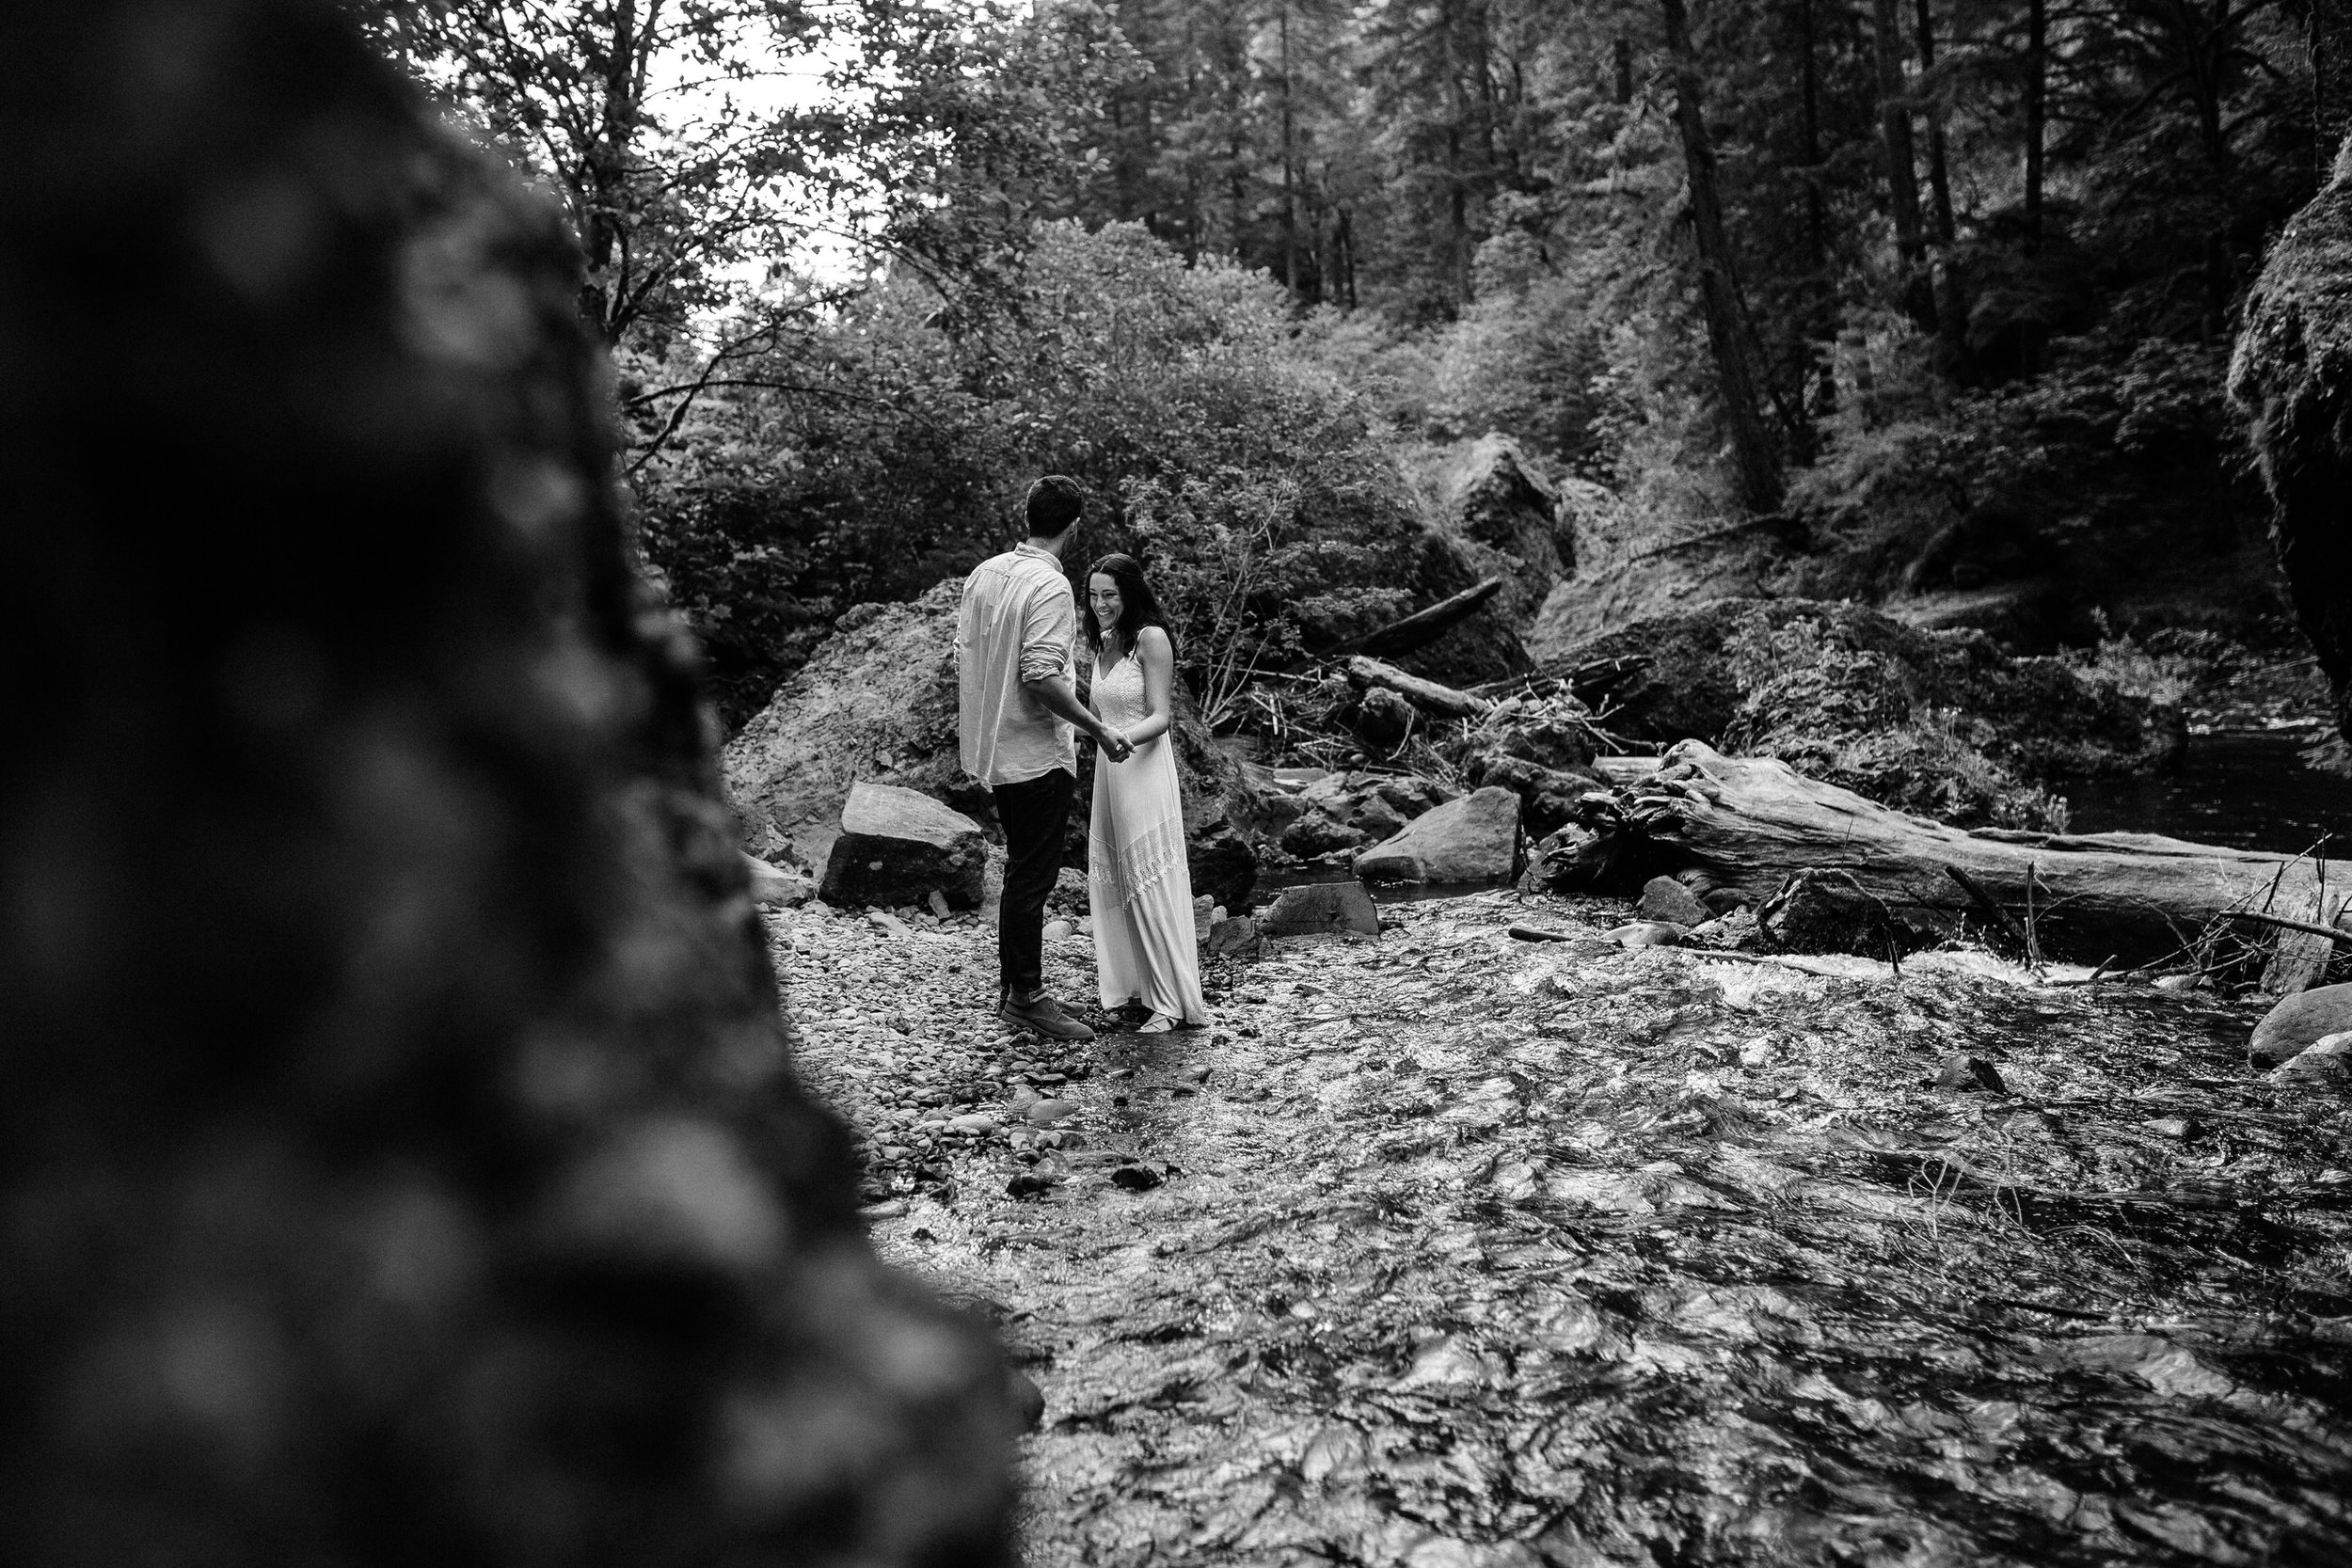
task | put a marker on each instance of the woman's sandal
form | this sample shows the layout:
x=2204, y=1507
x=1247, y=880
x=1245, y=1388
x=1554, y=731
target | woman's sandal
x=1158, y=1023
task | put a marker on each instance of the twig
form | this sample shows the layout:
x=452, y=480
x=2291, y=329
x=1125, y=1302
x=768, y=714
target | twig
x=2283, y=924
x=1985, y=901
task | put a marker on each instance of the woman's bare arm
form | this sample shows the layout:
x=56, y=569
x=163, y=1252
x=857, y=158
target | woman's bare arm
x=1159, y=682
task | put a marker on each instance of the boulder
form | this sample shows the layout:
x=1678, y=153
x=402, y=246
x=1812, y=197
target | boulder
x=1472, y=841
x=1829, y=911
x=1317, y=908
x=2326, y=1062
x=2297, y=1022
x=1497, y=498
x=877, y=701
x=1663, y=899
x=2292, y=379
x=428, y=1178
x=1944, y=726
x=897, y=847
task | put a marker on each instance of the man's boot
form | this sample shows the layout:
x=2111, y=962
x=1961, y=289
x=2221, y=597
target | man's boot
x=1042, y=1015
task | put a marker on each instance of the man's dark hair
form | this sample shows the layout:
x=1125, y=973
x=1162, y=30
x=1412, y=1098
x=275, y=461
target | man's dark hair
x=1054, y=503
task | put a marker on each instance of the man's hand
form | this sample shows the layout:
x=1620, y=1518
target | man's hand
x=1113, y=743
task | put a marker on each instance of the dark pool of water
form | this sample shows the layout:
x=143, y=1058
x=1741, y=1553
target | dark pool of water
x=1274, y=879
x=2243, y=789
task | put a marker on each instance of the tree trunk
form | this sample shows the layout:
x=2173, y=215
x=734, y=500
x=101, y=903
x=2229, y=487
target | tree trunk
x=1745, y=825
x=2037, y=85
x=1622, y=50
x=1822, y=359
x=1759, y=464
x=1290, y=164
x=1939, y=174
x=1902, y=180
x=601, y=293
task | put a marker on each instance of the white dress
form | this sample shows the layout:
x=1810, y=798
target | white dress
x=1139, y=889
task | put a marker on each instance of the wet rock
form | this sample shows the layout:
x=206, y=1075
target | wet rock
x=1136, y=1178
x=1663, y=899
x=2327, y=1061
x=1970, y=1074
x=1314, y=909
x=899, y=846
x=1045, y=1113
x=1024, y=1399
x=774, y=888
x=1236, y=938
x=1222, y=861
x=1829, y=911
x=2297, y=1022
x=1032, y=1184
x=1473, y=841
x=974, y=1125
x=2182, y=1128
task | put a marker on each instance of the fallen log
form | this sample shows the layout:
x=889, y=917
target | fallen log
x=1426, y=695
x=1745, y=824
x=1422, y=627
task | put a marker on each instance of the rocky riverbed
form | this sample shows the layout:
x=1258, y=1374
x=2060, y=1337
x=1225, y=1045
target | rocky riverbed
x=1449, y=1249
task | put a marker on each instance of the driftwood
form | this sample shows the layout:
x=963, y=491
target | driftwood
x=1429, y=696
x=1422, y=627
x=1745, y=824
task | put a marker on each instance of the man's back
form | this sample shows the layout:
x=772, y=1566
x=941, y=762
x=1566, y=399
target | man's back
x=1018, y=621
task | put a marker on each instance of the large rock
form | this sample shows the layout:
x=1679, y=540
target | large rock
x=2297, y=1022
x=1942, y=725
x=899, y=846
x=2291, y=378
x=1502, y=503
x=1473, y=841
x=1320, y=909
x=877, y=702
x=1344, y=812
x=426, y=1179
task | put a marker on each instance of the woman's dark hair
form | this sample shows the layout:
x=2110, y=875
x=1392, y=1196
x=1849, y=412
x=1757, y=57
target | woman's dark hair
x=1139, y=607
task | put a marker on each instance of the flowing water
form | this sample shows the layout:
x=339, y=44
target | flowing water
x=1468, y=1253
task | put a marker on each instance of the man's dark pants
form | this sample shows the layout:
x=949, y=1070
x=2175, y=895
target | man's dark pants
x=1034, y=814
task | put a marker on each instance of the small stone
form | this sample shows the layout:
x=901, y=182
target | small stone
x=1032, y=1184
x=975, y=1125
x=775, y=888
x=2177, y=982
x=1058, y=930
x=938, y=902
x=890, y=923
x=890, y=1209
x=2173, y=1127
x=1757, y=1052
x=1045, y=1113
x=1136, y=1178
x=1648, y=933
x=1663, y=899
x=1970, y=1074
x=1024, y=1399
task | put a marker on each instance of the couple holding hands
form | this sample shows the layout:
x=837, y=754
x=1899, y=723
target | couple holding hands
x=1016, y=646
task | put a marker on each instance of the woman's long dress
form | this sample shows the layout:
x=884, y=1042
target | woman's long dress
x=1138, y=886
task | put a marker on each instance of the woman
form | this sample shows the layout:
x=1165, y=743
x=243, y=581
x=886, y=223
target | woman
x=1142, y=895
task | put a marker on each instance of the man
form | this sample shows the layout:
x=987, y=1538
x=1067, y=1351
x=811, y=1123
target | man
x=1016, y=636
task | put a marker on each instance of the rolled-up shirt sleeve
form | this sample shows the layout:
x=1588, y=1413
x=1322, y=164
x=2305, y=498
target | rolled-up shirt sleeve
x=1048, y=627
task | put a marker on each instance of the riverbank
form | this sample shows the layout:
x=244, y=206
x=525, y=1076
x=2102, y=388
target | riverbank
x=1446, y=1249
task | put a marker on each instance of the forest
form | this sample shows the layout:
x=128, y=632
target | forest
x=1942, y=290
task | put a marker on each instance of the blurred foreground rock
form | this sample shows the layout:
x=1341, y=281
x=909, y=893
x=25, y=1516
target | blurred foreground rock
x=425, y=1178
